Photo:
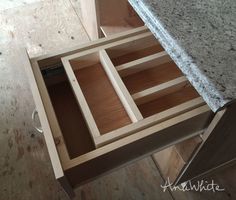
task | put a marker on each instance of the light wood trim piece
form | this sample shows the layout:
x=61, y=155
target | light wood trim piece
x=201, y=114
x=56, y=131
x=93, y=129
x=149, y=121
x=56, y=163
x=120, y=88
x=55, y=57
x=143, y=63
x=116, y=43
x=159, y=90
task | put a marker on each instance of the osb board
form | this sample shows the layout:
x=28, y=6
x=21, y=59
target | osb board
x=43, y=27
x=8, y=4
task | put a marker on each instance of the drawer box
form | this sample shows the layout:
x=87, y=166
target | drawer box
x=110, y=102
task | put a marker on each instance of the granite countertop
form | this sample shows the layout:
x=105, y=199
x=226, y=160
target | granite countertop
x=200, y=36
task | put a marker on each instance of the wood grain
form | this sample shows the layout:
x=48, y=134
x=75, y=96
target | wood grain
x=102, y=99
x=168, y=101
x=73, y=126
x=25, y=175
x=130, y=56
x=151, y=77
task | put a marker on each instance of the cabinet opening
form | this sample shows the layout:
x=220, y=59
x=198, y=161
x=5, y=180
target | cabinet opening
x=172, y=160
x=117, y=16
x=134, y=50
x=103, y=101
x=71, y=121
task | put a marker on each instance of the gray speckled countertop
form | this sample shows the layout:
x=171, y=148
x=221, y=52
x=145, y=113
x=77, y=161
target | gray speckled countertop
x=200, y=36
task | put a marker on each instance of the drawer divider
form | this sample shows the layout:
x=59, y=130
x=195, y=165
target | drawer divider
x=143, y=63
x=159, y=90
x=120, y=88
x=81, y=100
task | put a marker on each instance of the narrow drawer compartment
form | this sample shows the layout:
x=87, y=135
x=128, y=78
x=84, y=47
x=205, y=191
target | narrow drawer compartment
x=133, y=50
x=96, y=95
x=72, y=128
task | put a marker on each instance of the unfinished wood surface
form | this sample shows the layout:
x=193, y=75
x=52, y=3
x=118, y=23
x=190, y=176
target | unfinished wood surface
x=187, y=148
x=25, y=164
x=112, y=27
x=117, y=40
x=134, y=49
x=22, y=176
x=151, y=77
x=221, y=129
x=193, y=121
x=143, y=63
x=168, y=101
x=90, y=17
x=169, y=162
x=75, y=132
x=118, y=13
x=8, y=4
x=82, y=102
x=55, y=56
x=150, y=121
x=137, y=181
x=61, y=29
x=172, y=160
x=105, y=105
x=42, y=114
x=159, y=91
x=136, y=54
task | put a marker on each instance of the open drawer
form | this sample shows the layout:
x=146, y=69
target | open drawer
x=110, y=102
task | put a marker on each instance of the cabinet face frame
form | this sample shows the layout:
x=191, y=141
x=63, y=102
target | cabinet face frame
x=194, y=117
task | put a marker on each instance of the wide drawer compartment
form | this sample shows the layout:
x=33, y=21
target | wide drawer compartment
x=110, y=102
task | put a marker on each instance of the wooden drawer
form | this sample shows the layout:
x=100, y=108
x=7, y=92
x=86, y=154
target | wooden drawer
x=110, y=102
